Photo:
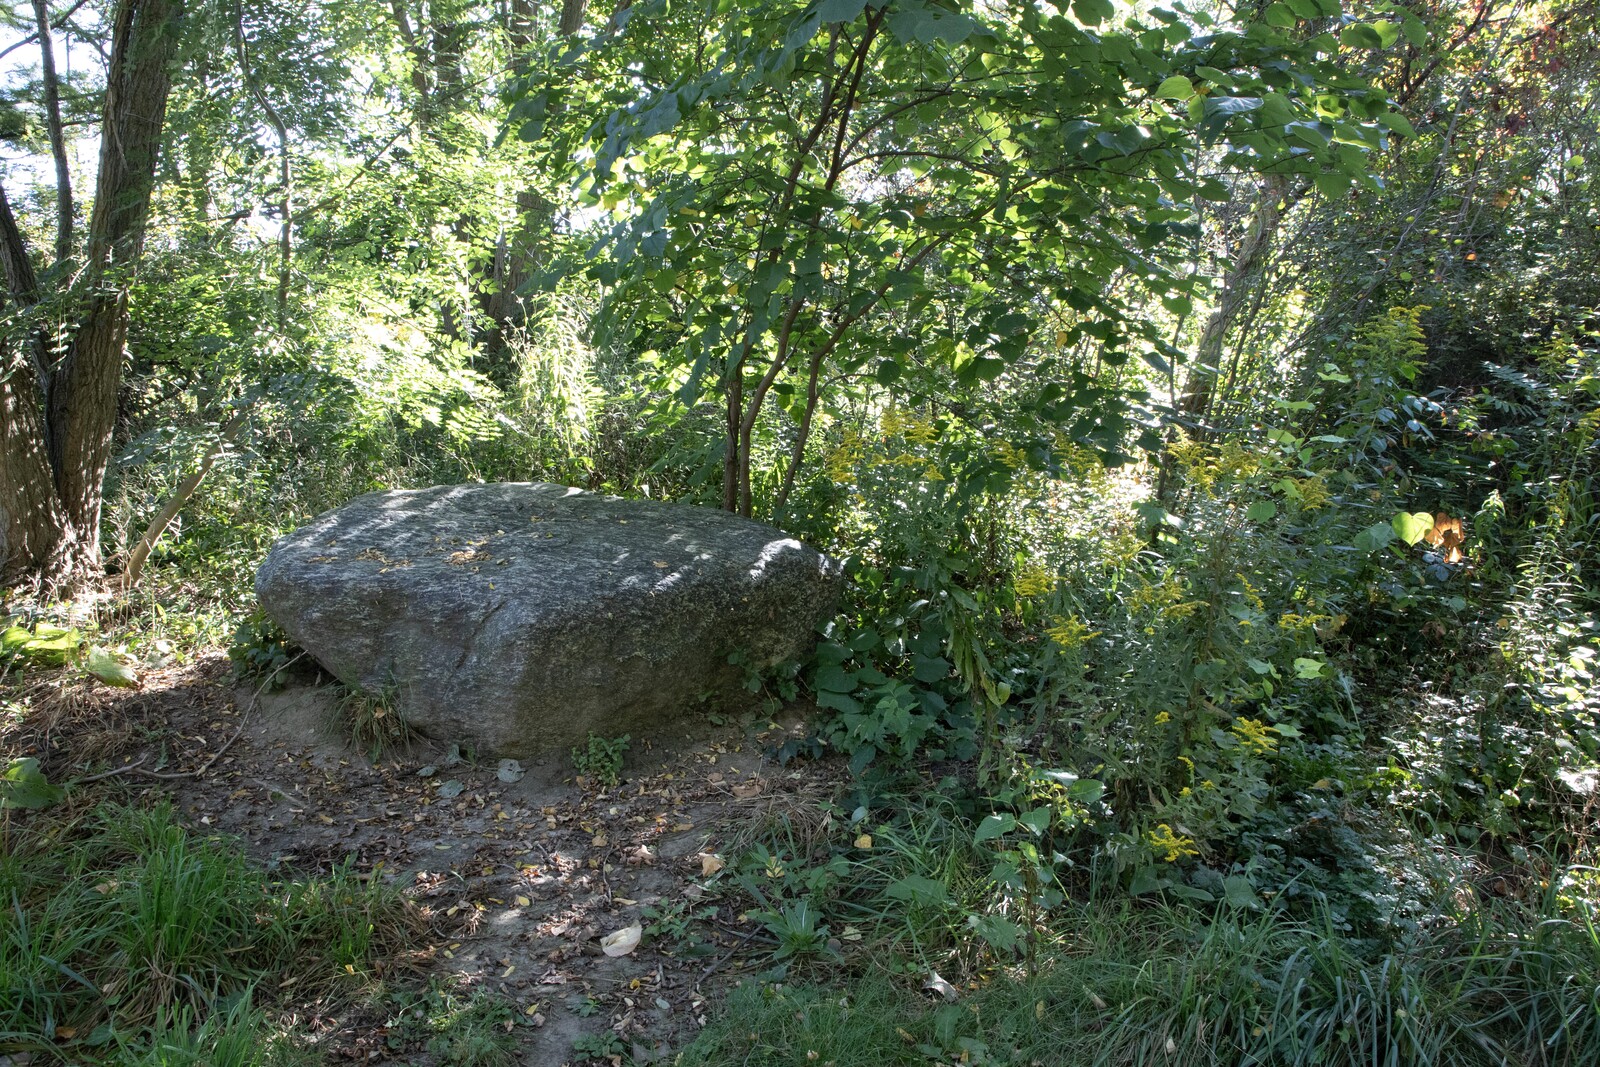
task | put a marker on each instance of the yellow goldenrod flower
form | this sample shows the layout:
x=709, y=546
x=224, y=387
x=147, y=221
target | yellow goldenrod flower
x=1253, y=735
x=1175, y=847
x=1034, y=580
x=1070, y=632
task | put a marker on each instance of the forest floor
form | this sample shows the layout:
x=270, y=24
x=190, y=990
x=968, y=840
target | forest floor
x=516, y=882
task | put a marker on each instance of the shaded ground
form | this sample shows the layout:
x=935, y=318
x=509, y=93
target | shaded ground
x=520, y=879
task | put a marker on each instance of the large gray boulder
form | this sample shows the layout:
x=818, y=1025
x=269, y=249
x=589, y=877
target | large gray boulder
x=520, y=617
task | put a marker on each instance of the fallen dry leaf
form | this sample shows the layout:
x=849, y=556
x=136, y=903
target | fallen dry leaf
x=623, y=941
x=710, y=863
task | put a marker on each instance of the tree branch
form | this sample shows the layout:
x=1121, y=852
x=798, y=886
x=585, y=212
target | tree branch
x=140, y=552
x=285, y=172
x=58, y=140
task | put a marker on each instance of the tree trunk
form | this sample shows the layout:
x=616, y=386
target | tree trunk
x=1273, y=198
x=58, y=420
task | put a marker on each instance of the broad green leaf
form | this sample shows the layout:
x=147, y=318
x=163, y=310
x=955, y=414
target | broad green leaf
x=1378, y=535
x=835, y=679
x=1036, y=821
x=840, y=10
x=838, y=702
x=109, y=669
x=994, y=826
x=1086, y=791
x=1398, y=123
x=1237, y=891
x=1261, y=511
x=1412, y=527
x=998, y=932
x=1176, y=87
x=1307, y=668
x=1360, y=35
x=23, y=785
x=1281, y=15
x=1333, y=184
x=1093, y=12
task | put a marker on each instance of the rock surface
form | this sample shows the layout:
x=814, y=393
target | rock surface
x=518, y=618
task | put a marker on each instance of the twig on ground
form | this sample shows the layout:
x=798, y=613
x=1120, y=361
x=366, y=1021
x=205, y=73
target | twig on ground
x=725, y=957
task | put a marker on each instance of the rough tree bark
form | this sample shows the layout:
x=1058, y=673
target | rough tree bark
x=58, y=392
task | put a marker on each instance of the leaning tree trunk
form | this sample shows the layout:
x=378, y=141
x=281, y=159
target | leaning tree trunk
x=59, y=410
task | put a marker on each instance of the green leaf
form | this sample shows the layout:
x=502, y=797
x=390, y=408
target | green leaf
x=1333, y=184
x=1374, y=537
x=1086, y=791
x=1281, y=15
x=994, y=826
x=13, y=638
x=109, y=669
x=23, y=785
x=833, y=678
x=1261, y=511
x=1093, y=12
x=1307, y=668
x=1000, y=933
x=840, y=10
x=838, y=702
x=1360, y=35
x=1237, y=891
x=1036, y=821
x=1412, y=527
x=1176, y=87
x=1397, y=123
x=929, y=669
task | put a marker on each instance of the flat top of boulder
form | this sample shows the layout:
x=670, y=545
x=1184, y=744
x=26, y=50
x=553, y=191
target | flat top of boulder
x=568, y=534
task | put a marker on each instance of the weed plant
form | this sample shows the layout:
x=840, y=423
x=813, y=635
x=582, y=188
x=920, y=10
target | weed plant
x=1506, y=983
x=123, y=930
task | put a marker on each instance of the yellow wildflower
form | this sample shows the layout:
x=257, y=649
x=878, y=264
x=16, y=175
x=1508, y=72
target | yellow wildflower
x=1009, y=454
x=1162, y=839
x=1313, y=492
x=840, y=463
x=1070, y=632
x=1163, y=718
x=1033, y=580
x=1253, y=735
x=1237, y=461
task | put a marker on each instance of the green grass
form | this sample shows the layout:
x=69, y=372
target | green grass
x=1508, y=985
x=463, y=1028
x=127, y=938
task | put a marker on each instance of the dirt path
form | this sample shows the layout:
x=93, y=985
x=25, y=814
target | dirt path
x=520, y=879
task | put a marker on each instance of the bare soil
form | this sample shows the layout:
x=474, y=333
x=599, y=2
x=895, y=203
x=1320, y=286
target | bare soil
x=518, y=880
